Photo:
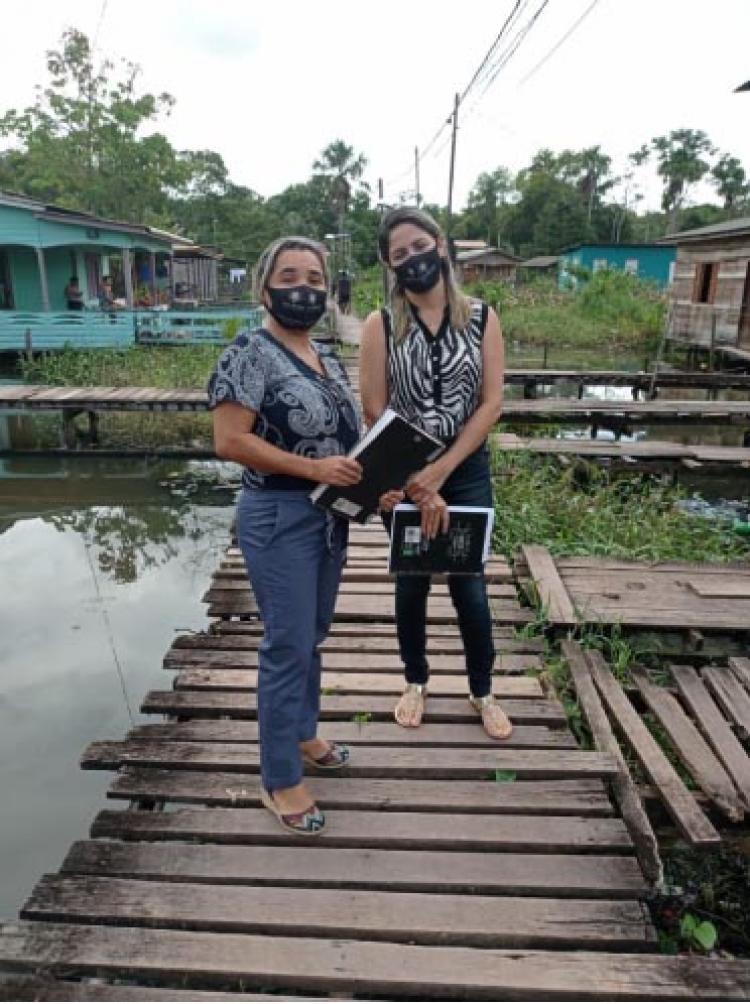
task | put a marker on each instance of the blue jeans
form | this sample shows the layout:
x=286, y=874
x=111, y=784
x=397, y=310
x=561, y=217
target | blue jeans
x=294, y=562
x=469, y=484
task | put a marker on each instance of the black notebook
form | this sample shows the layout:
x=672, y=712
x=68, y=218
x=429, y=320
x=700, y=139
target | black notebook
x=463, y=550
x=391, y=451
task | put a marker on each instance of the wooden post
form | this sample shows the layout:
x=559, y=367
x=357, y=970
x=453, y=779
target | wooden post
x=28, y=344
x=152, y=267
x=127, y=272
x=452, y=171
x=171, y=275
x=713, y=341
x=43, y=278
x=416, y=175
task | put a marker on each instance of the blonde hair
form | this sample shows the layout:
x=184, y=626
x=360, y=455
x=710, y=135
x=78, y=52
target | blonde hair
x=267, y=261
x=459, y=305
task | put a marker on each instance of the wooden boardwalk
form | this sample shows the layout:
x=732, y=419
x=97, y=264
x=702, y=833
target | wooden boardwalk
x=701, y=596
x=29, y=397
x=452, y=867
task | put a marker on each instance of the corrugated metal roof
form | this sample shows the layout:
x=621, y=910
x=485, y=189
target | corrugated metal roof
x=467, y=256
x=729, y=228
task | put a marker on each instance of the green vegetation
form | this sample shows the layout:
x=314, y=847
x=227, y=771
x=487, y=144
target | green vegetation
x=613, y=313
x=136, y=366
x=581, y=510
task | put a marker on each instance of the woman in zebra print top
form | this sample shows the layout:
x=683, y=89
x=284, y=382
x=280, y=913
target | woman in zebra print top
x=436, y=357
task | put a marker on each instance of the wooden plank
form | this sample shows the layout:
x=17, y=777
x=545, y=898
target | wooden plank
x=589, y=876
x=377, y=608
x=715, y=728
x=730, y=695
x=552, y=592
x=365, y=733
x=403, y=830
x=242, y=705
x=247, y=641
x=623, y=789
x=544, y=798
x=413, y=918
x=741, y=669
x=691, y=746
x=366, y=761
x=231, y=583
x=362, y=683
x=354, y=629
x=680, y=804
x=340, y=662
x=422, y=971
x=730, y=589
x=40, y=989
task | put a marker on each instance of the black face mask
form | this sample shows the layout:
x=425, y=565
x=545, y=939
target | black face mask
x=297, y=308
x=420, y=272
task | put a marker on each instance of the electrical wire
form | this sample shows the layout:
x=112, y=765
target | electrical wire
x=565, y=37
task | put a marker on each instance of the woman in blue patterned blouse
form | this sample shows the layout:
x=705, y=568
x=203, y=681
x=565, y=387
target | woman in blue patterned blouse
x=283, y=409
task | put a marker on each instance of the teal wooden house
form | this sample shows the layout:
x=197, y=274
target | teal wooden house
x=43, y=246
x=650, y=262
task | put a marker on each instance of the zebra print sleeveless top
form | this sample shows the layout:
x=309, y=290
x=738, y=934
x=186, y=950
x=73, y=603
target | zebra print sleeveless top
x=435, y=381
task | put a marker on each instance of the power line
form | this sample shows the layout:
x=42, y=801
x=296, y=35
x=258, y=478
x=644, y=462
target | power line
x=565, y=37
x=519, y=5
x=102, y=14
x=508, y=55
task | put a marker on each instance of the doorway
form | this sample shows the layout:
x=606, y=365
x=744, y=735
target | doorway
x=744, y=325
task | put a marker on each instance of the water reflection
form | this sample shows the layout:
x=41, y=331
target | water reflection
x=100, y=563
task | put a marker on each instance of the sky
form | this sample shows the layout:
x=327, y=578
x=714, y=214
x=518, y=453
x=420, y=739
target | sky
x=269, y=85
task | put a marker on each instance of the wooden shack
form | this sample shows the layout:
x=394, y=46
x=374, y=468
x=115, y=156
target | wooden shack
x=487, y=263
x=710, y=295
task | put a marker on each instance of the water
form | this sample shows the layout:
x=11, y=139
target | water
x=100, y=563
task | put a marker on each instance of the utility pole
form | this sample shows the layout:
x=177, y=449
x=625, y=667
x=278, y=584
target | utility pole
x=450, y=177
x=382, y=208
x=416, y=175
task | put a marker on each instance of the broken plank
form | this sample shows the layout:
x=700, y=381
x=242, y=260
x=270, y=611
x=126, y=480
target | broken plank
x=730, y=695
x=551, y=589
x=715, y=728
x=623, y=788
x=680, y=804
x=698, y=756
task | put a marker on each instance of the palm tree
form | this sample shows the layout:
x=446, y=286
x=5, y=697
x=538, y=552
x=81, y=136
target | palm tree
x=342, y=167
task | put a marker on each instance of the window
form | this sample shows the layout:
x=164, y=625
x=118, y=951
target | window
x=631, y=266
x=704, y=288
x=599, y=264
x=672, y=265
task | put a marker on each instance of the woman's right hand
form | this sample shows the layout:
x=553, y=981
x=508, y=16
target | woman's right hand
x=435, y=515
x=390, y=499
x=337, y=471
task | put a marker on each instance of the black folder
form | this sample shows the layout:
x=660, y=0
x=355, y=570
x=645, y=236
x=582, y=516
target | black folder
x=391, y=451
x=461, y=551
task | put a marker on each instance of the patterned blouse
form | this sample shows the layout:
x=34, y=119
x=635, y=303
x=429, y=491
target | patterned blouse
x=435, y=381
x=298, y=409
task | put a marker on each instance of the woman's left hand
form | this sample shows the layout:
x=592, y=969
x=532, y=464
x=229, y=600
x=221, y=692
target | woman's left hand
x=425, y=483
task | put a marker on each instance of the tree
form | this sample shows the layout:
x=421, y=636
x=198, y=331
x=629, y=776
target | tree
x=486, y=199
x=341, y=167
x=731, y=181
x=79, y=144
x=681, y=162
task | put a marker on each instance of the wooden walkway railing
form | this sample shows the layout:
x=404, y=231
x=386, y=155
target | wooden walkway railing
x=452, y=867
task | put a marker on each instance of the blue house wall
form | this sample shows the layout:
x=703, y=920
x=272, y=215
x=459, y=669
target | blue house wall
x=650, y=262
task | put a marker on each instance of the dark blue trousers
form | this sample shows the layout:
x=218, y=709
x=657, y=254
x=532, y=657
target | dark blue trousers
x=469, y=484
x=294, y=562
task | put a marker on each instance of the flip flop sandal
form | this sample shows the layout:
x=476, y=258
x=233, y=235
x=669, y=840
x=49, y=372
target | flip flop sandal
x=412, y=699
x=495, y=722
x=304, y=824
x=336, y=756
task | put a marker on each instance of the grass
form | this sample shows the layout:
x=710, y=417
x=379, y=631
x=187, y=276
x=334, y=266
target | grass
x=583, y=511
x=136, y=366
